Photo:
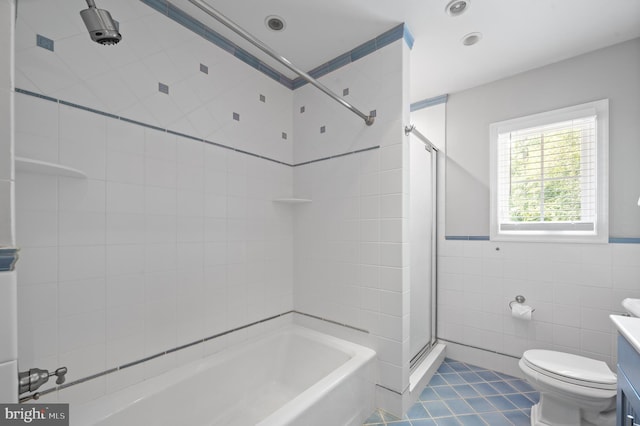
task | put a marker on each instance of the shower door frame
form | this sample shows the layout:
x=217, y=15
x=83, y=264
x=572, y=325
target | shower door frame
x=416, y=358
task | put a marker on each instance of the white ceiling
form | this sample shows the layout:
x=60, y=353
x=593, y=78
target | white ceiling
x=518, y=35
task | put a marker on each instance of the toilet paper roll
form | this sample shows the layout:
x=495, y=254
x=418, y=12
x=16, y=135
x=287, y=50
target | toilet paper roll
x=520, y=311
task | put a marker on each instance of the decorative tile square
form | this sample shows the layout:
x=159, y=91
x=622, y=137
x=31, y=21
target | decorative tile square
x=44, y=42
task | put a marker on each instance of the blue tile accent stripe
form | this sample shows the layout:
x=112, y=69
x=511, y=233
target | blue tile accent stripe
x=619, y=240
x=337, y=156
x=212, y=36
x=612, y=240
x=396, y=33
x=408, y=37
x=467, y=237
x=8, y=259
x=442, y=99
x=160, y=129
x=149, y=126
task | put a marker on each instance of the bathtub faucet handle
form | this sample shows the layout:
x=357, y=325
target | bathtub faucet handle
x=60, y=374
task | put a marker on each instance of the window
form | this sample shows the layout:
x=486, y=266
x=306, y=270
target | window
x=549, y=178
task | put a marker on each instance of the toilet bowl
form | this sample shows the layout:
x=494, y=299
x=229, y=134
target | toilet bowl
x=574, y=390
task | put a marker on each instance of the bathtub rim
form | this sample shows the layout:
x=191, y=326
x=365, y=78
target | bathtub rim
x=99, y=409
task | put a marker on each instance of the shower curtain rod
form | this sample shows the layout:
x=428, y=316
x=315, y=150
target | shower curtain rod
x=412, y=129
x=206, y=8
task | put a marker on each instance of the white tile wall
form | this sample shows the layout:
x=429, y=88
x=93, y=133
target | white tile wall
x=9, y=380
x=348, y=241
x=169, y=239
x=120, y=265
x=574, y=288
x=151, y=251
x=124, y=81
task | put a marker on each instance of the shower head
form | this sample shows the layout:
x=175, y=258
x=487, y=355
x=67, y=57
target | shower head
x=102, y=28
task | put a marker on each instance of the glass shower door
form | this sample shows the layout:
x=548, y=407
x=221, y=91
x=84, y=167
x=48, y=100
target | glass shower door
x=422, y=220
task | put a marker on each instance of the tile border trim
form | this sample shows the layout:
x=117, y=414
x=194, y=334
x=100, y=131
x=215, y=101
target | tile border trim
x=8, y=259
x=184, y=135
x=623, y=240
x=466, y=237
x=426, y=103
x=358, y=151
x=612, y=240
x=178, y=348
x=396, y=33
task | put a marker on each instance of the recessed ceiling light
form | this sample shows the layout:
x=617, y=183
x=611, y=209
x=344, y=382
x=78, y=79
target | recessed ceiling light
x=471, y=39
x=275, y=23
x=457, y=7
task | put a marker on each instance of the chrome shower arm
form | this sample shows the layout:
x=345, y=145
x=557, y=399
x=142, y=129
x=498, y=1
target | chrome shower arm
x=206, y=8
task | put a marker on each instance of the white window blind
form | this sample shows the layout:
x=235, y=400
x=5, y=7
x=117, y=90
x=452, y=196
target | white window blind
x=547, y=175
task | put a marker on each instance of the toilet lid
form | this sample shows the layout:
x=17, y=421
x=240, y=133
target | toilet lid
x=571, y=368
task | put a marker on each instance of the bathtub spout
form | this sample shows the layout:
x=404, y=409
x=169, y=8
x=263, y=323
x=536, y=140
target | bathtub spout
x=31, y=380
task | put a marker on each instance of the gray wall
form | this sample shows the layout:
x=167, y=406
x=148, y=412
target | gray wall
x=613, y=73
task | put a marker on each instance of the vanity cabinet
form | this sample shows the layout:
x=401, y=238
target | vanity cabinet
x=628, y=402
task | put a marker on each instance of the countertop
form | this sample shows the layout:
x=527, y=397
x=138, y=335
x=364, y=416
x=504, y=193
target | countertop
x=629, y=327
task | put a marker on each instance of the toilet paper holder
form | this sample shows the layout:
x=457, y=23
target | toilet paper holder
x=519, y=299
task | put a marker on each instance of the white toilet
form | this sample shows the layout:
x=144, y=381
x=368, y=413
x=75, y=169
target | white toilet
x=574, y=390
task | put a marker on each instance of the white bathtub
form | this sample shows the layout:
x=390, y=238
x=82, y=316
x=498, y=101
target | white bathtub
x=294, y=376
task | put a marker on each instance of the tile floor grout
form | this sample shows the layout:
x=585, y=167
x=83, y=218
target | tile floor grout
x=462, y=394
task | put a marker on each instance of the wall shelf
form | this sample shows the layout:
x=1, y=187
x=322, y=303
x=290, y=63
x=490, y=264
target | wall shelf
x=292, y=200
x=29, y=165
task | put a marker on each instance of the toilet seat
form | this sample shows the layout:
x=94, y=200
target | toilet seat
x=571, y=368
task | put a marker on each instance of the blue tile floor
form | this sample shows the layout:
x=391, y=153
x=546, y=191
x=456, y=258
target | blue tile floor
x=464, y=394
